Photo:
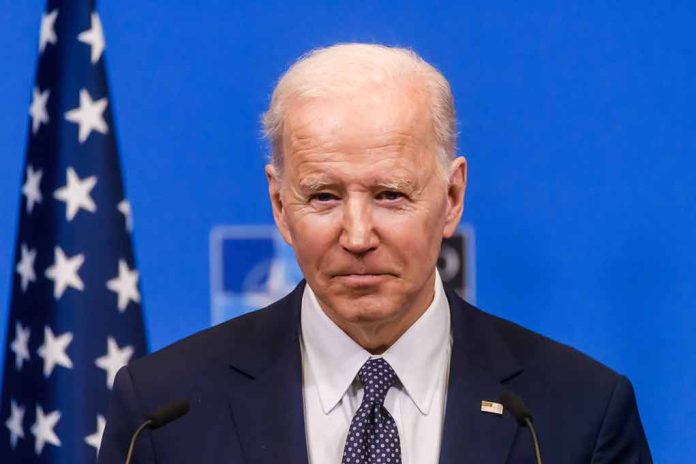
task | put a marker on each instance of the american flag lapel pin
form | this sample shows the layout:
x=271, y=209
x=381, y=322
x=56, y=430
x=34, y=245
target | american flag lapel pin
x=491, y=407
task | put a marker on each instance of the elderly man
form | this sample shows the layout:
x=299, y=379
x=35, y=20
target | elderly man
x=371, y=359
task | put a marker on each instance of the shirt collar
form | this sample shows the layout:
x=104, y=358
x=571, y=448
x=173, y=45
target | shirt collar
x=416, y=357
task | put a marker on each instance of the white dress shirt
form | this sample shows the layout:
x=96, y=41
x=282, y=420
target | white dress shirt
x=332, y=391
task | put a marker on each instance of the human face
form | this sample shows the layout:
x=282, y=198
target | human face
x=365, y=206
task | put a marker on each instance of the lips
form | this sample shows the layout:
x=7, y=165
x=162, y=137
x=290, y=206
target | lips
x=362, y=279
x=365, y=272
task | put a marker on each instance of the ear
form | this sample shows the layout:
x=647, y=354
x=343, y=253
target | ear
x=275, y=194
x=455, y=196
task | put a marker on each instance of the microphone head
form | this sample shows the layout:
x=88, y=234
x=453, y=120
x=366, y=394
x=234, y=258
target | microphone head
x=168, y=413
x=516, y=406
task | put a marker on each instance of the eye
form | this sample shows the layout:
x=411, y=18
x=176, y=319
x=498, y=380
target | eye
x=323, y=197
x=390, y=195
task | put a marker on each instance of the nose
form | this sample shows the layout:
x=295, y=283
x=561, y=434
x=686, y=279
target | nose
x=358, y=235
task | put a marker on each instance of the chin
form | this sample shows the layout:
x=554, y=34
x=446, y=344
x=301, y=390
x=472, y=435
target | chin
x=354, y=300
x=365, y=308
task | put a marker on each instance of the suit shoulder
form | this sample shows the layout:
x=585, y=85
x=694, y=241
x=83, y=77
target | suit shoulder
x=217, y=344
x=545, y=355
x=206, y=343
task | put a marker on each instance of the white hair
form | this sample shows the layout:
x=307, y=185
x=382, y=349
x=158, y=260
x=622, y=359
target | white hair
x=334, y=70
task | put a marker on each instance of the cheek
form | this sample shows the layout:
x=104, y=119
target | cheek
x=416, y=226
x=313, y=235
x=414, y=236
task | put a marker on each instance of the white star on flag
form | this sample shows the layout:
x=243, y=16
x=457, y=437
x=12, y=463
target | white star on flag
x=43, y=429
x=76, y=194
x=14, y=423
x=125, y=208
x=125, y=285
x=53, y=351
x=48, y=34
x=37, y=110
x=31, y=189
x=64, y=274
x=94, y=37
x=89, y=115
x=114, y=359
x=96, y=438
x=20, y=345
x=25, y=266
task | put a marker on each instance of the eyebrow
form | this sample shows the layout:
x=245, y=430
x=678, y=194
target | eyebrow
x=398, y=183
x=314, y=184
x=401, y=184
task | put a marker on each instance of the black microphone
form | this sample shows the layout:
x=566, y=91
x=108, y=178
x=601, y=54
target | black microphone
x=523, y=415
x=159, y=418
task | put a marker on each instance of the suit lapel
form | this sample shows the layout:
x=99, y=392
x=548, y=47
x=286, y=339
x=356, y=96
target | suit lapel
x=480, y=363
x=267, y=407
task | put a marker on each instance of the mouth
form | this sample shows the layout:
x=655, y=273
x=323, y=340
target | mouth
x=361, y=279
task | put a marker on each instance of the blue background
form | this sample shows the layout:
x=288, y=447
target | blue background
x=578, y=120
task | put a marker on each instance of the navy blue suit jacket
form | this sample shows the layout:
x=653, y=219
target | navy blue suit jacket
x=244, y=381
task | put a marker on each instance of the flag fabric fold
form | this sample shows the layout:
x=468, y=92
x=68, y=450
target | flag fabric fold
x=75, y=316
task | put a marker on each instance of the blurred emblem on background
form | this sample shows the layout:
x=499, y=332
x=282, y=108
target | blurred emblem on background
x=251, y=266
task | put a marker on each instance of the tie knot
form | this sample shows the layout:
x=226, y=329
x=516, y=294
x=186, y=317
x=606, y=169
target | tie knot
x=377, y=377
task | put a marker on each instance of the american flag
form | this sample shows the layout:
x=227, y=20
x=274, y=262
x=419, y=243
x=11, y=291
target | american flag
x=75, y=315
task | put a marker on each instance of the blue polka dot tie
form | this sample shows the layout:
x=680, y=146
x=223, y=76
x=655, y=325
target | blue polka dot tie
x=373, y=437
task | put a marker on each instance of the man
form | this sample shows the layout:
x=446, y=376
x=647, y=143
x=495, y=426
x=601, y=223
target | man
x=371, y=359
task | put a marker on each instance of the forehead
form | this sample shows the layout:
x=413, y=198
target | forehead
x=358, y=120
